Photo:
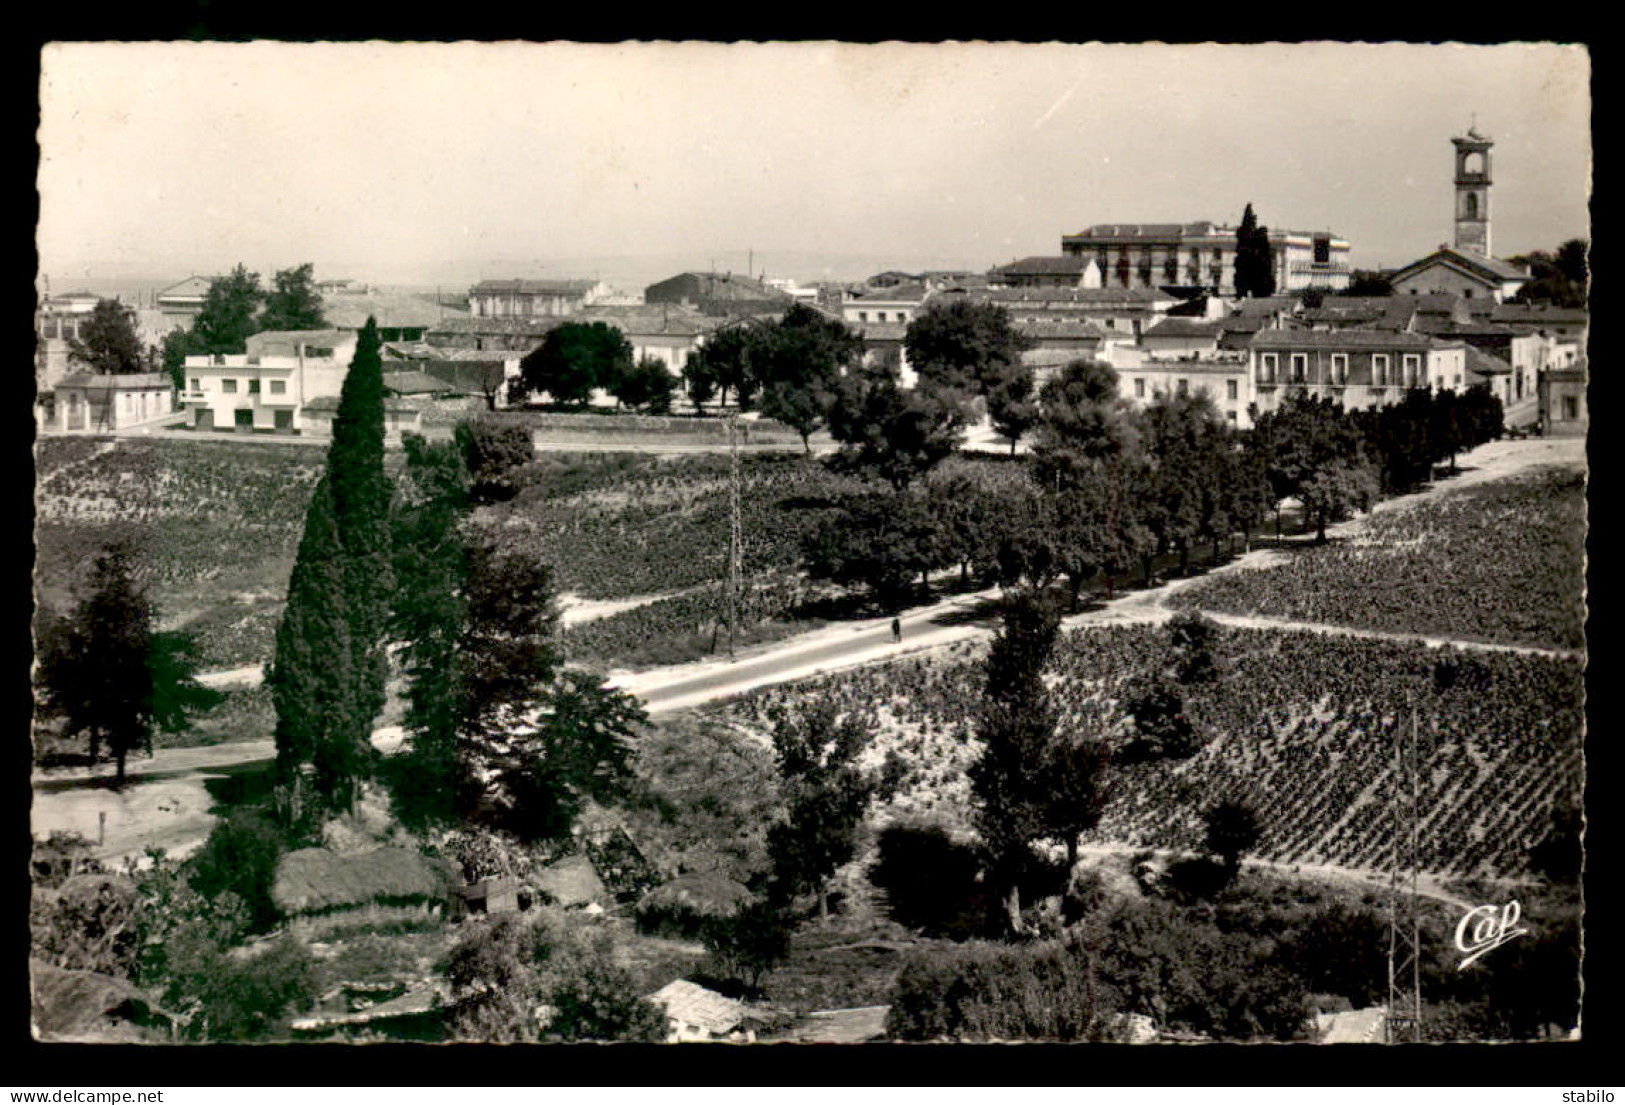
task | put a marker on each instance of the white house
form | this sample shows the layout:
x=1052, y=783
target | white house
x=266, y=389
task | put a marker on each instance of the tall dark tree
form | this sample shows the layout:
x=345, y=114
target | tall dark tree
x=493, y=455
x=339, y=600
x=1232, y=828
x=293, y=302
x=107, y=341
x=428, y=616
x=110, y=676
x=178, y=345
x=575, y=358
x=825, y=795
x=1016, y=724
x=361, y=505
x=1255, y=269
x=312, y=678
x=229, y=313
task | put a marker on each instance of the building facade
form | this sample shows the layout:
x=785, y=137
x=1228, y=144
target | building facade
x=1223, y=378
x=1202, y=255
x=533, y=298
x=87, y=402
x=1358, y=368
x=268, y=388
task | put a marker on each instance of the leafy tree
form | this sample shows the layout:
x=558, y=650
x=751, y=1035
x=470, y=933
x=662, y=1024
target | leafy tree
x=509, y=642
x=240, y=856
x=646, y=384
x=883, y=541
x=1016, y=724
x=227, y=317
x=825, y=795
x=1194, y=641
x=727, y=362
x=800, y=362
x=898, y=435
x=1012, y=405
x=428, y=616
x=1335, y=492
x=1232, y=828
x=1255, y=270
x=1163, y=729
x=1188, y=445
x=963, y=347
x=1081, y=419
x=107, y=343
x=1365, y=282
x=178, y=345
x=293, y=302
x=1302, y=437
x=575, y=358
x=747, y=944
x=493, y=453
x=1559, y=279
x=110, y=676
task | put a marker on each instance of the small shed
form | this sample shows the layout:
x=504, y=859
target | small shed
x=572, y=881
x=488, y=896
x=318, y=889
x=694, y=1013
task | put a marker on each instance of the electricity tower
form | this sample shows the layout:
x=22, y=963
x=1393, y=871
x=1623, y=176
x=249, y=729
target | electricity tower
x=1404, y=1021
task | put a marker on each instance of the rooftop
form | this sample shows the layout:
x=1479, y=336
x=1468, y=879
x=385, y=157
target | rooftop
x=349, y=310
x=533, y=287
x=137, y=381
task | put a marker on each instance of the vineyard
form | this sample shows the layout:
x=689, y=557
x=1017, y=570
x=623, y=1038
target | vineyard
x=1287, y=729
x=214, y=525
x=1501, y=562
x=618, y=527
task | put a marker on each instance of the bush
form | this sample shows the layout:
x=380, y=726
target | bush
x=247, y=998
x=745, y=946
x=240, y=856
x=984, y=992
x=930, y=881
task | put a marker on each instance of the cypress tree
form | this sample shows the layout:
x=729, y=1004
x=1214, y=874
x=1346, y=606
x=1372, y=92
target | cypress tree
x=331, y=669
x=312, y=679
x=1254, y=274
x=361, y=499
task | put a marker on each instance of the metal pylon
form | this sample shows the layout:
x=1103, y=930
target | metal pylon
x=1404, y=1021
x=735, y=533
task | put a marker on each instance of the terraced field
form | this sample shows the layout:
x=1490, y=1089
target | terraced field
x=1501, y=561
x=1287, y=728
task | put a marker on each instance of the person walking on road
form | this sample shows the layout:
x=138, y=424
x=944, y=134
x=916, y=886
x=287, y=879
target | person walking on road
x=896, y=631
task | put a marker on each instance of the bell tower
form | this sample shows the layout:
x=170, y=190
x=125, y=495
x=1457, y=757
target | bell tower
x=1473, y=192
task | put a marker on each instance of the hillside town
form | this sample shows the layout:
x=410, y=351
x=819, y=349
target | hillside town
x=1180, y=637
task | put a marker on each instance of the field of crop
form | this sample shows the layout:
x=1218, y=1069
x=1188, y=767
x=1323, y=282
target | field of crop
x=617, y=527
x=215, y=526
x=1287, y=729
x=1502, y=561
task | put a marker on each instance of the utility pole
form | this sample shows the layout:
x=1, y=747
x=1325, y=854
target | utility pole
x=735, y=534
x=1404, y=1021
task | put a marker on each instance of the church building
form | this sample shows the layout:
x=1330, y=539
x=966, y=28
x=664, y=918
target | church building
x=1467, y=268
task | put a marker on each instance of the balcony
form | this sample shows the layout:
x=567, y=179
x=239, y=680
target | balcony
x=192, y=396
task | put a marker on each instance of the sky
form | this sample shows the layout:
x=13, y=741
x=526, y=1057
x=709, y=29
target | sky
x=399, y=161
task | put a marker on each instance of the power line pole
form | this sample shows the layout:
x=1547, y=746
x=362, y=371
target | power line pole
x=736, y=540
x=1403, y=1023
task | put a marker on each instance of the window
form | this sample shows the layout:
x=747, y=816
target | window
x=1231, y=415
x=1300, y=367
x=279, y=387
x=1139, y=388
x=197, y=385
x=1323, y=249
x=229, y=386
x=1379, y=370
x=1340, y=368
x=1268, y=367
x=253, y=387
x=1571, y=407
x=1183, y=387
x=863, y=316
x=1412, y=364
x=1230, y=393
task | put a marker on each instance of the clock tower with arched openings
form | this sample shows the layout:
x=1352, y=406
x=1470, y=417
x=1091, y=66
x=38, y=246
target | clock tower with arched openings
x=1473, y=192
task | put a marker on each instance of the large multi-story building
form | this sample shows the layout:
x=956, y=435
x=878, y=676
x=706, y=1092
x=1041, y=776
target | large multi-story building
x=1202, y=255
x=268, y=387
x=1358, y=368
x=533, y=298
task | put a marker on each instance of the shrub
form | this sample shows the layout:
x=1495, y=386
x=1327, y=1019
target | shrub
x=982, y=992
x=930, y=881
x=240, y=856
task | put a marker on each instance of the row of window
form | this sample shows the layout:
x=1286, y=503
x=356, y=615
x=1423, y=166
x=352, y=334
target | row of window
x=1182, y=387
x=880, y=316
x=228, y=386
x=1381, y=369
